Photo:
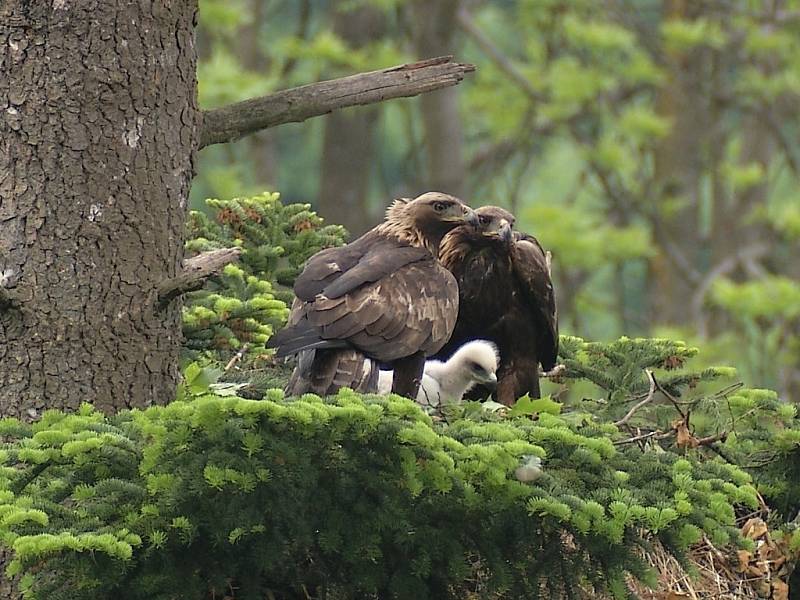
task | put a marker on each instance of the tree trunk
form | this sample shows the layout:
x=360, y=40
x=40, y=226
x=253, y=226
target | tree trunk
x=434, y=26
x=348, y=148
x=679, y=166
x=97, y=136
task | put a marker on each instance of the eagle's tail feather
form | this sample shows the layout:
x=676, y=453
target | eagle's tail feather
x=325, y=371
x=298, y=337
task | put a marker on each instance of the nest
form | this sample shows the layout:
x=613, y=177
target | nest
x=725, y=575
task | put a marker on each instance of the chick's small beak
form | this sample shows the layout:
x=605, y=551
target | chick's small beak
x=491, y=381
x=504, y=231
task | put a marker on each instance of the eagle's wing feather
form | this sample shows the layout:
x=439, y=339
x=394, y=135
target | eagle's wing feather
x=336, y=271
x=414, y=308
x=373, y=266
x=325, y=267
x=531, y=268
x=384, y=298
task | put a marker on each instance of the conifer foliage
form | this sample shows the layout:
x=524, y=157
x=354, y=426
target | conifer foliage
x=349, y=497
x=248, y=300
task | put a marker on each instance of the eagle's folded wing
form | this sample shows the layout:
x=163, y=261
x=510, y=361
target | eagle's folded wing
x=414, y=308
x=532, y=271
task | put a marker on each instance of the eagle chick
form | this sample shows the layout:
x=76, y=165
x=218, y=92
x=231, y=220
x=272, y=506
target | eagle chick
x=446, y=382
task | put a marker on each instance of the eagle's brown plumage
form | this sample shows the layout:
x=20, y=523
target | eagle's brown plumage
x=384, y=297
x=506, y=296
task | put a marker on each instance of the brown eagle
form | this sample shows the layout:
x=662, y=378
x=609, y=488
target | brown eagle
x=383, y=297
x=506, y=296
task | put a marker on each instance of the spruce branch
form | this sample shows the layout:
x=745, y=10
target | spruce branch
x=195, y=272
x=28, y=477
x=229, y=123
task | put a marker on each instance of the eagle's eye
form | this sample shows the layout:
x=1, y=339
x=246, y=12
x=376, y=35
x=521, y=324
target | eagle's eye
x=484, y=220
x=440, y=206
x=477, y=368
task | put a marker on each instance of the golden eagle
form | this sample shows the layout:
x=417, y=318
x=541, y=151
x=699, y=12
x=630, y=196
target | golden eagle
x=506, y=296
x=384, y=296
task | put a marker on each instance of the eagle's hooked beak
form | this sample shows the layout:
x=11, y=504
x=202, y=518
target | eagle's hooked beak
x=471, y=217
x=504, y=231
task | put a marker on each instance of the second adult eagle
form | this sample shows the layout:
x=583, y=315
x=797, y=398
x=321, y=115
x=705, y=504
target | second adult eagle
x=505, y=296
x=384, y=296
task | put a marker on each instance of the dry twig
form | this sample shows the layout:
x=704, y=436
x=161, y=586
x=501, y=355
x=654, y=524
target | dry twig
x=647, y=399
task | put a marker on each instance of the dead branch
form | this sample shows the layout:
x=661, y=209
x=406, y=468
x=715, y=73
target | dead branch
x=234, y=121
x=647, y=399
x=671, y=398
x=711, y=439
x=195, y=272
x=237, y=357
x=640, y=437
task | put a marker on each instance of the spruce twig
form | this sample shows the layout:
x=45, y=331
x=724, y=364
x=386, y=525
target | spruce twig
x=672, y=398
x=647, y=399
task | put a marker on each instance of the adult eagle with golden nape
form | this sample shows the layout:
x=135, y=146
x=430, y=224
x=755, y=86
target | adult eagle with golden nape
x=506, y=296
x=384, y=297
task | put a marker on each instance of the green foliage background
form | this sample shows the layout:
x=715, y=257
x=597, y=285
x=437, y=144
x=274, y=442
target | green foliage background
x=651, y=145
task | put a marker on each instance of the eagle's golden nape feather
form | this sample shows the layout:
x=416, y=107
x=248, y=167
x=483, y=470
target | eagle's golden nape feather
x=424, y=220
x=383, y=298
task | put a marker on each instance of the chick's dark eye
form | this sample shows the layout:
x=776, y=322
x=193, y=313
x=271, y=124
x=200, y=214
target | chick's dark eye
x=477, y=368
x=483, y=220
x=439, y=206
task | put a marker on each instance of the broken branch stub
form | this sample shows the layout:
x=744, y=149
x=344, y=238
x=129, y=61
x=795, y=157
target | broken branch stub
x=195, y=272
x=229, y=123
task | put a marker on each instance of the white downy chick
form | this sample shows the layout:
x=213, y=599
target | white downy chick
x=446, y=382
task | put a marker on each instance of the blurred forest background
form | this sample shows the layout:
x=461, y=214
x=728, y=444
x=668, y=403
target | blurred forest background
x=652, y=145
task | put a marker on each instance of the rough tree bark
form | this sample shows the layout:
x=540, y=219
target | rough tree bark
x=99, y=124
x=348, y=143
